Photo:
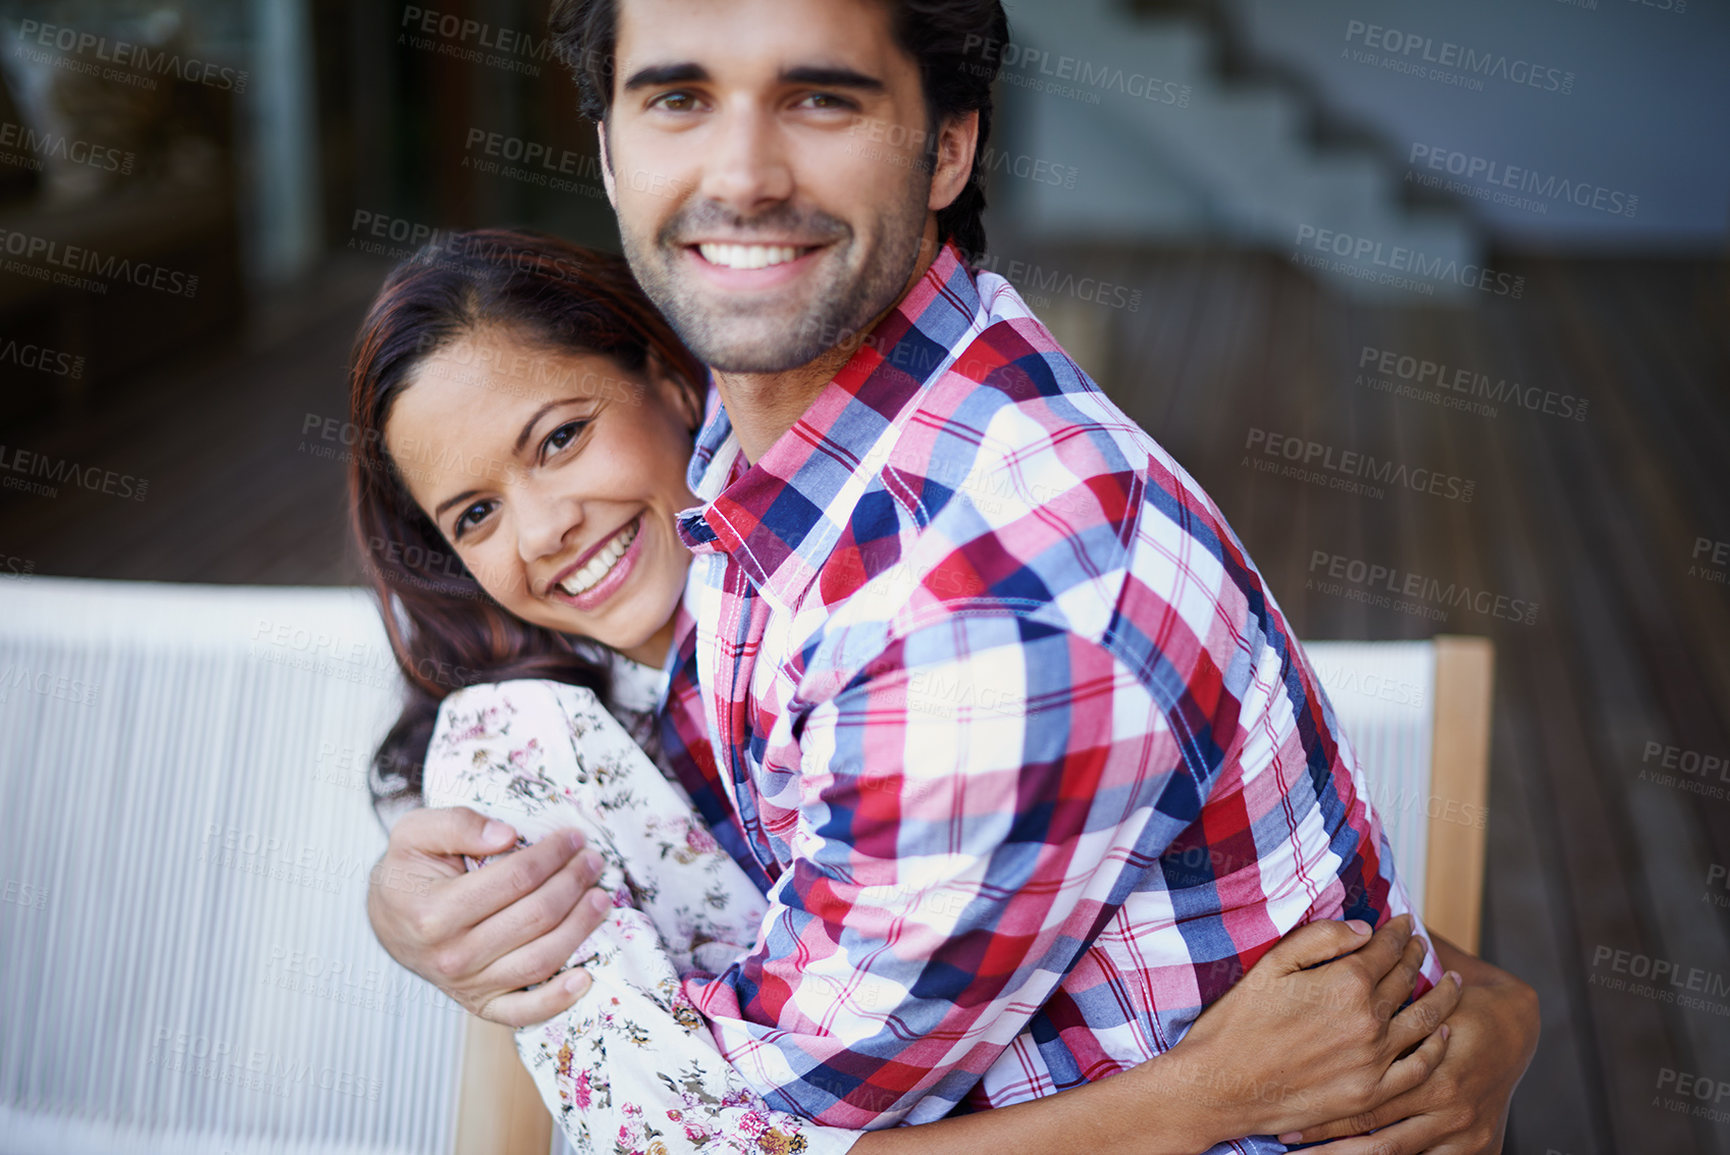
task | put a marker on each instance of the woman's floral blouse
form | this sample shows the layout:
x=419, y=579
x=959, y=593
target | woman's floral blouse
x=631, y=1067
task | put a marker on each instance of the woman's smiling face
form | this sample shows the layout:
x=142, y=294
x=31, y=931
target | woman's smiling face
x=555, y=477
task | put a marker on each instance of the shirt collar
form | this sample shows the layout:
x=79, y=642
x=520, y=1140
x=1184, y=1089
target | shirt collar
x=780, y=517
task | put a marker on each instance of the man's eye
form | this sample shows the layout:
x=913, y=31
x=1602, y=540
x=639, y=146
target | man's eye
x=674, y=102
x=828, y=101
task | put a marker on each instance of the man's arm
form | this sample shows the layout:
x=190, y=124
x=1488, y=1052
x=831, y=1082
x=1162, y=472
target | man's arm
x=1462, y=1108
x=481, y=936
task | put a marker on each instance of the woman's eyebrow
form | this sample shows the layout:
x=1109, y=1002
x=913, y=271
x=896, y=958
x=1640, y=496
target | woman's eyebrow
x=529, y=426
x=450, y=501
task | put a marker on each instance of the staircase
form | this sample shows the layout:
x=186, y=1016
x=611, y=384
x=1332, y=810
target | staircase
x=1159, y=143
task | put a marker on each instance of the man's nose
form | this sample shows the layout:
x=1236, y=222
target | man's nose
x=745, y=164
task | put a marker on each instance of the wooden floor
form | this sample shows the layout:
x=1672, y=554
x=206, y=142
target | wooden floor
x=1591, y=851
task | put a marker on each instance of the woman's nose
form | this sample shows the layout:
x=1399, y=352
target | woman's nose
x=546, y=522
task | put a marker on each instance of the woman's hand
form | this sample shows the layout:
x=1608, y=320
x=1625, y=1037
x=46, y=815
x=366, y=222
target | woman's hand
x=1311, y=1033
x=1463, y=1108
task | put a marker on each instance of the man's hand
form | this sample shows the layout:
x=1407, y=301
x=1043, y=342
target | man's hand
x=481, y=936
x=1462, y=1109
x=1312, y=1032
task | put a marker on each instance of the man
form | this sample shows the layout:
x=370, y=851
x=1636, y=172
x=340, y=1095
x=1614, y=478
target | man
x=1001, y=710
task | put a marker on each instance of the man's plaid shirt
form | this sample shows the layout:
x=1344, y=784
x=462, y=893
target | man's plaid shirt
x=987, y=695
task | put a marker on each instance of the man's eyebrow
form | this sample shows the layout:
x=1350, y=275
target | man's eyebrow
x=816, y=75
x=655, y=75
x=820, y=76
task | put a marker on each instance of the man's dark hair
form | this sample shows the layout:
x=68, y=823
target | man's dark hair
x=957, y=43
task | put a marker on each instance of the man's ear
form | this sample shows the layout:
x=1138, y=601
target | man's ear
x=957, y=141
x=607, y=165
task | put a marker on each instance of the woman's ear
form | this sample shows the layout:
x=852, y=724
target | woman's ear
x=685, y=400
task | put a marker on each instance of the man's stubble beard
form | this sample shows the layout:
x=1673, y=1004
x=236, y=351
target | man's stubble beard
x=733, y=341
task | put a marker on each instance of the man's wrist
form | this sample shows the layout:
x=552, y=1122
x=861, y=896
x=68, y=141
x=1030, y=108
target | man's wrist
x=1175, y=1088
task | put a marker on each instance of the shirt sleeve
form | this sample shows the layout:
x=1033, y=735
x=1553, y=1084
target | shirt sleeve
x=973, y=808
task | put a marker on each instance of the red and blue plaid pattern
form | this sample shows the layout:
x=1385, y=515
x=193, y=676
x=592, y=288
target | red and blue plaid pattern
x=979, y=680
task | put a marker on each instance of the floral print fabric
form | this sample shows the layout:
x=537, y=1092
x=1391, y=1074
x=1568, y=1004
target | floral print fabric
x=632, y=1067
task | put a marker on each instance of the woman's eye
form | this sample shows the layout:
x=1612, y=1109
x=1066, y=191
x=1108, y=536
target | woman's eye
x=563, y=435
x=472, y=516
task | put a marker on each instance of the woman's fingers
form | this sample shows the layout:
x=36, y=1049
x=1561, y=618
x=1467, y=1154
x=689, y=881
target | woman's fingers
x=1420, y=1020
x=524, y=1008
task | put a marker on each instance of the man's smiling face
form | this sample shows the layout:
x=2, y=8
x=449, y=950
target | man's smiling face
x=768, y=166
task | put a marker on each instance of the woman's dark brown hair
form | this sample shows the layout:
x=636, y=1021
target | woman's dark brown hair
x=444, y=630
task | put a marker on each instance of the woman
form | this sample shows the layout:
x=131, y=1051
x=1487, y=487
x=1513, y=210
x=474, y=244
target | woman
x=526, y=416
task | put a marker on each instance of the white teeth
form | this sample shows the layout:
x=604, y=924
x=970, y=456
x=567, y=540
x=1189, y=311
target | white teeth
x=602, y=563
x=748, y=256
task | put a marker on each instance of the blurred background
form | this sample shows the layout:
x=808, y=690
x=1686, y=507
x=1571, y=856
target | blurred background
x=1482, y=243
